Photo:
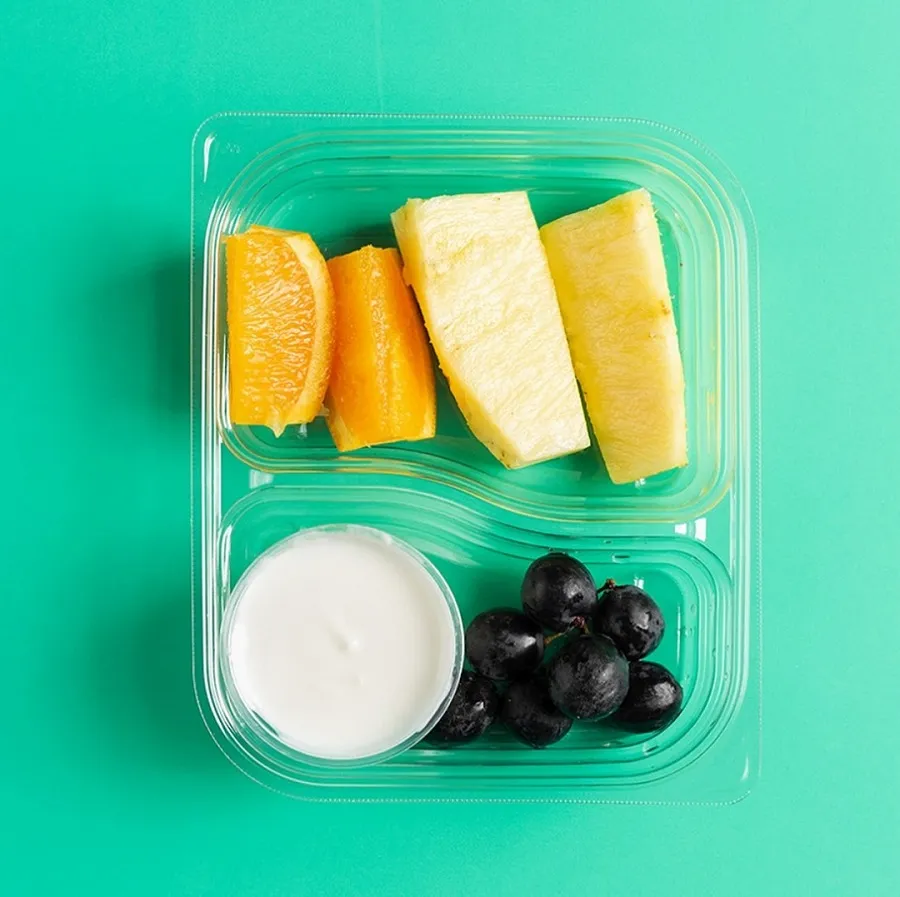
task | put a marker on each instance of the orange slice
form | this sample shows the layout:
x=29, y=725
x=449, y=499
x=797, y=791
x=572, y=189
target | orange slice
x=382, y=381
x=280, y=327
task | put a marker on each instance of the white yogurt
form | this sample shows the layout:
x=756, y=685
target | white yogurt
x=344, y=641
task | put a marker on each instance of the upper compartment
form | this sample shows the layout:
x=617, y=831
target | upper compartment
x=339, y=180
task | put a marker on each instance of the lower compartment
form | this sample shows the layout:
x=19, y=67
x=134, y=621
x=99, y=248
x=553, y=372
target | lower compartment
x=705, y=646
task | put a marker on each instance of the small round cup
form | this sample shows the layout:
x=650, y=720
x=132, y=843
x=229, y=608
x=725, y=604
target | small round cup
x=245, y=716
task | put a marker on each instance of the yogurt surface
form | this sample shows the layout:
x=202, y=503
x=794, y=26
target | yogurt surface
x=343, y=641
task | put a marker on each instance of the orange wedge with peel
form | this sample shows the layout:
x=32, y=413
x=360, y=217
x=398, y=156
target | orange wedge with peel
x=382, y=379
x=281, y=325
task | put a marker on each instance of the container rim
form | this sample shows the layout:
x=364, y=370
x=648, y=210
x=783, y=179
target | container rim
x=743, y=558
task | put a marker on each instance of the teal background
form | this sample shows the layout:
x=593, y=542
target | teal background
x=111, y=785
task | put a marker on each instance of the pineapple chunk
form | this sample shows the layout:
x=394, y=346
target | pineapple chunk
x=607, y=263
x=481, y=278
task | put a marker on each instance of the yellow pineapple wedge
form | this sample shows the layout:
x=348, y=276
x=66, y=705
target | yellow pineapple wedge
x=607, y=264
x=480, y=275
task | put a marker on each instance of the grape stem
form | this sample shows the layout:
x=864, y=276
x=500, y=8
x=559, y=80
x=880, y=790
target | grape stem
x=579, y=623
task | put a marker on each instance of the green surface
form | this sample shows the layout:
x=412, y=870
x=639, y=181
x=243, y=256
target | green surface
x=112, y=786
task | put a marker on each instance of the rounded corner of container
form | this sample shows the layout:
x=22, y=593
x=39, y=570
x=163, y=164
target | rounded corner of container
x=206, y=131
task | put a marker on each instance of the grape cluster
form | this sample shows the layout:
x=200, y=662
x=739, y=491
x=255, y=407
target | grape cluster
x=599, y=672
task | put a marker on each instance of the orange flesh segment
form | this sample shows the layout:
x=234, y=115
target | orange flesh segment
x=280, y=327
x=382, y=380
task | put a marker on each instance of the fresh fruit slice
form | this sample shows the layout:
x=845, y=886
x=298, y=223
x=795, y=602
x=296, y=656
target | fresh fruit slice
x=480, y=274
x=607, y=263
x=382, y=379
x=280, y=327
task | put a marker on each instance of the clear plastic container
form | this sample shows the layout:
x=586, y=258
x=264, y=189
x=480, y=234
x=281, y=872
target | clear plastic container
x=691, y=536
